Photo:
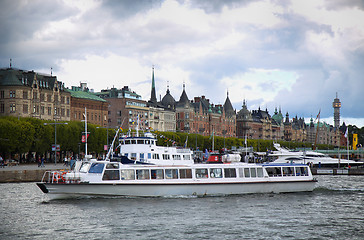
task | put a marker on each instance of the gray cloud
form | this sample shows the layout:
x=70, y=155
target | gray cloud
x=113, y=28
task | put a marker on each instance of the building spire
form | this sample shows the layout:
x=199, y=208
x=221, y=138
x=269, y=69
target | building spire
x=10, y=62
x=51, y=71
x=153, y=97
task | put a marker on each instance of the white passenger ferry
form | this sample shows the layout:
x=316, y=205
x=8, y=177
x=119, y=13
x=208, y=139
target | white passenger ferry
x=107, y=178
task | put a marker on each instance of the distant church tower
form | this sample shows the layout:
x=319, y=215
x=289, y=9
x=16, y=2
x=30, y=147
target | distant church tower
x=336, y=105
x=153, y=97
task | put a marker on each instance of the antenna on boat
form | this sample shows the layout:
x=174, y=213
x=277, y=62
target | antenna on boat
x=111, y=149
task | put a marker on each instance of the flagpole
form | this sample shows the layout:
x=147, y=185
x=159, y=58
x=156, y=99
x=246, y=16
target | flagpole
x=246, y=148
x=85, y=132
x=347, y=142
x=213, y=140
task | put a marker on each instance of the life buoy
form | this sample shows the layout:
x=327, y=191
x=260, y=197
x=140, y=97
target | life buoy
x=56, y=177
x=62, y=176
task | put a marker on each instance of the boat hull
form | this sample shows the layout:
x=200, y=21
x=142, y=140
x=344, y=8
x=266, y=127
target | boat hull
x=59, y=191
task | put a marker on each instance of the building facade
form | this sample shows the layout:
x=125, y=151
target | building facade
x=85, y=102
x=125, y=108
x=30, y=94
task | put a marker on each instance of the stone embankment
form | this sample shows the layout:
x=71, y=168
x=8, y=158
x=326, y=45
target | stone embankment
x=27, y=172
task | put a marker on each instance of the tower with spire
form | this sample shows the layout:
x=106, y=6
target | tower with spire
x=336, y=105
x=153, y=97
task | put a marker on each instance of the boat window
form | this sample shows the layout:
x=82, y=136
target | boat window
x=165, y=156
x=288, y=171
x=84, y=167
x=301, y=171
x=186, y=157
x=274, y=171
x=147, y=142
x=185, y=173
x=127, y=174
x=253, y=172
x=133, y=156
x=155, y=156
x=111, y=175
x=112, y=166
x=201, y=173
x=260, y=172
x=171, y=173
x=133, y=141
x=246, y=172
x=141, y=157
x=96, y=168
x=156, y=174
x=241, y=172
x=127, y=141
x=142, y=174
x=140, y=141
x=149, y=155
x=215, y=172
x=176, y=157
x=230, y=172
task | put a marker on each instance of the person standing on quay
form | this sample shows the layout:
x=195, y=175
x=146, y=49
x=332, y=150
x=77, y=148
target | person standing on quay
x=2, y=163
x=39, y=162
x=42, y=162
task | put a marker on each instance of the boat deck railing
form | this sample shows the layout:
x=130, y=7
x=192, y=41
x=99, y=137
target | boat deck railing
x=60, y=177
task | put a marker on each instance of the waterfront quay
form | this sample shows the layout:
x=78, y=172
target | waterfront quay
x=27, y=172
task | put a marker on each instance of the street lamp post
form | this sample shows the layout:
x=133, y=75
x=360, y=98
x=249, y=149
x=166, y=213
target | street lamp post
x=55, y=138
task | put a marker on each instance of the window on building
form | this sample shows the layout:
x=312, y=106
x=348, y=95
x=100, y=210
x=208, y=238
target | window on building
x=12, y=94
x=2, y=107
x=12, y=108
x=2, y=94
x=25, y=94
x=25, y=108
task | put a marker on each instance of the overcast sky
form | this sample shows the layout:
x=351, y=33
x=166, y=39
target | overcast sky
x=291, y=54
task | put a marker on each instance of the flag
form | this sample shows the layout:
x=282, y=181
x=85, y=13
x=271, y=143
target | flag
x=83, y=139
x=318, y=115
x=121, y=129
x=185, y=142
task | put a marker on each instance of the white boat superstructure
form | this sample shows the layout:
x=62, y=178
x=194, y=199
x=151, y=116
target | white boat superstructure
x=144, y=150
x=309, y=157
x=107, y=178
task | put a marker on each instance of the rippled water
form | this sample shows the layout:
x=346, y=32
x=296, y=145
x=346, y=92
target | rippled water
x=333, y=211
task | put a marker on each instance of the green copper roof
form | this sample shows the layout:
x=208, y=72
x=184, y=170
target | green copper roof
x=10, y=78
x=85, y=95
